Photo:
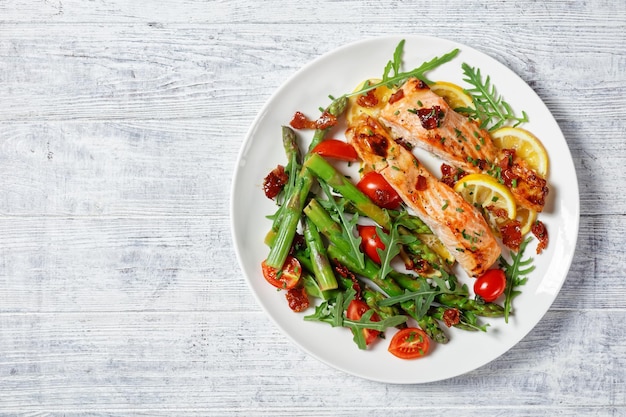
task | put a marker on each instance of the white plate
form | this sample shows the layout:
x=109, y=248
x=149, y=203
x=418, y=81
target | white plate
x=339, y=72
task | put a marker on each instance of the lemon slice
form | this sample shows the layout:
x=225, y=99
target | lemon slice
x=382, y=94
x=454, y=95
x=526, y=146
x=527, y=218
x=486, y=193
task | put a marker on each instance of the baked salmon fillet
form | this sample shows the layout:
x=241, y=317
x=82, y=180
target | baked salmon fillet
x=423, y=119
x=459, y=226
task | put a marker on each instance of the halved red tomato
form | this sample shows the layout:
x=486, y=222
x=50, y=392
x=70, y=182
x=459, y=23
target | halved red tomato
x=285, y=278
x=409, y=343
x=376, y=187
x=333, y=148
x=370, y=242
x=356, y=309
x=490, y=285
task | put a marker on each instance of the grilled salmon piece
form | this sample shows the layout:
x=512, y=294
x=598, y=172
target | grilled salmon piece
x=422, y=118
x=459, y=225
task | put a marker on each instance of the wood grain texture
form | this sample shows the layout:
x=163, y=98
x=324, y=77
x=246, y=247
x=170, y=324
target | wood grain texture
x=120, y=126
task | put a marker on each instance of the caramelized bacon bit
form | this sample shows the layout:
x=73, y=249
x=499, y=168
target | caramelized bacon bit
x=300, y=121
x=451, y=317
x=275, y=181
x=367, y=100
x=541, y=233
x=398, y=95
x=511, y=234
x=430, y=117
x=421, y=183
x=297, y=299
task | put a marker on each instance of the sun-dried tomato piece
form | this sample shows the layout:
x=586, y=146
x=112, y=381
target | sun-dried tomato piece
x=275, y=181
x=451, y=317
x=297, y=299
x=541, y=233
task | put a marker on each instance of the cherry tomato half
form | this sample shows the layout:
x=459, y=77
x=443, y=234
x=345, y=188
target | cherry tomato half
x=409, y=343
x=376, y=187
x=333, y=148
x=356, y=309
x=370, y=242
x=285, y=278
x=490, y=285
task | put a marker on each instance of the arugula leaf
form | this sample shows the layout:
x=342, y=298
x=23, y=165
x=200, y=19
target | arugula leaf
x=332, y=312
x=391, y=250
x=396, y=63
x=424, y=294
x=399, y=77
x=348, y=226
x=515, y=275
x=393, y=241
x=489, y=107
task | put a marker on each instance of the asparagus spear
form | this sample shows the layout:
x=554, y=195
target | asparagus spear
x=391, y=288
x=292, y=212
x=362, y=204
x=322, y=269
x=292, y=151
x=466, y=321
x=470, y=305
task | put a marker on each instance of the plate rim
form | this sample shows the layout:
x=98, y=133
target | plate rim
x=248, y=139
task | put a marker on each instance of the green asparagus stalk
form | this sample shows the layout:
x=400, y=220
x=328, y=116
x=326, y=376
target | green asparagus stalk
x=467, y=304
x=322, y=269
x=466, y=321
x=294, y=165
x=373, y=297
x=362, y=204
x=462, y=302
x=281, y=243
x=308, y=280
x=326, y=225
x=391, y=288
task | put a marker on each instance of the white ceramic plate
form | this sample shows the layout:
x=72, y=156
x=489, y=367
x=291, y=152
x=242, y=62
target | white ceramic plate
x=339, y=72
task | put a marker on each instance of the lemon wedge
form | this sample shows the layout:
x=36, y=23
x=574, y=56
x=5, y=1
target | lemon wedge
x=486, y=193
x=526, y=146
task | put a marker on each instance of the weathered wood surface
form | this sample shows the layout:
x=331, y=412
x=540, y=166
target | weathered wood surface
x=120, y=124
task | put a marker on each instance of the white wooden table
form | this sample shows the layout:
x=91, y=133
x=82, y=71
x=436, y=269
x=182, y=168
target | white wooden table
x=120, y=123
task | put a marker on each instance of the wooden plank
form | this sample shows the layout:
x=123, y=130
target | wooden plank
x=121, y=71
x=115, y=169
x=561, y=12
x=119, y=264
x=212, y=362
x=120, y=124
